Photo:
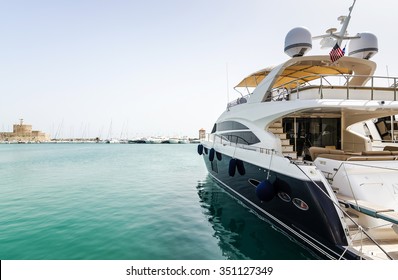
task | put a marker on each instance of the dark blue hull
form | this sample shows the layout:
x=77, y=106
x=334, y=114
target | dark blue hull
x=297, y=207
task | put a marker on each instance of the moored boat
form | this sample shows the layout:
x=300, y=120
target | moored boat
x=291, y=149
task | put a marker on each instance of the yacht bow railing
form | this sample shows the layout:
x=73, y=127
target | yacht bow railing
x=240, y=100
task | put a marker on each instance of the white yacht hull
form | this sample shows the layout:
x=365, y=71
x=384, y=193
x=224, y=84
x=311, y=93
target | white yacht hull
x=318, y=227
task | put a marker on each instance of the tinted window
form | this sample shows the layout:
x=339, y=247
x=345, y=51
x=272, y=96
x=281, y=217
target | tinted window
x=244, y=137
x=230, y=125
x=214, y=128
x=319, y=132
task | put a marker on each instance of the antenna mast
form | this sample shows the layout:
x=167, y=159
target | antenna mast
x=332, y=37
x=345, y=22
x=226, y=69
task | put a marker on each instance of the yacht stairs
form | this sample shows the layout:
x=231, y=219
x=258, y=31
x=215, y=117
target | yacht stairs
x=287, y=149
x=382, y=237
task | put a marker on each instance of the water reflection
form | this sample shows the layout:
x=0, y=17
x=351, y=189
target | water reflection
x=242, y=234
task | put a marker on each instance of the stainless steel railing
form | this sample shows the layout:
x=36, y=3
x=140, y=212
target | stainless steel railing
x=338, y=83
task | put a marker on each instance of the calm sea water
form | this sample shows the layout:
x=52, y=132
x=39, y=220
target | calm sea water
x=120, y=201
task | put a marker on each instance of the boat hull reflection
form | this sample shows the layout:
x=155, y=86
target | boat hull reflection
x=241, y=232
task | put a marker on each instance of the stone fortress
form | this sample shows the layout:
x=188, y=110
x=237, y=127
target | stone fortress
x=23, y=133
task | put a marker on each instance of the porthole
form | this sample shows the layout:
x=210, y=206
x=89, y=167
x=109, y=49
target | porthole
x=284, y=196
x=300, y=204
x=254, y=182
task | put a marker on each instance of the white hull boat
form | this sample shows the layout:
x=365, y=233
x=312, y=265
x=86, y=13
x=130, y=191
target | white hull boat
x=291, y=150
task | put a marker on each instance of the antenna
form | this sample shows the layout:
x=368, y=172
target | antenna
x=345, y=21
x=331, y=37
x=226, y=69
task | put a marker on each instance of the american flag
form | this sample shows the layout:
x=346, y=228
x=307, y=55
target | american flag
x=336, y=52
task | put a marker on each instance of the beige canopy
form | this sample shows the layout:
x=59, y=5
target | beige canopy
x=301, y=73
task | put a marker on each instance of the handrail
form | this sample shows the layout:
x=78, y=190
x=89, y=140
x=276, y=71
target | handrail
x=294, y=87
x=347, y=215
x=313, y=78
x=238, y=101
x=342, y=166
x=225, y=141
x=322, y=81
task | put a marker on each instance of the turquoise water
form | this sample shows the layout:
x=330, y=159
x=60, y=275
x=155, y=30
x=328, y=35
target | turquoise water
x=120, y=201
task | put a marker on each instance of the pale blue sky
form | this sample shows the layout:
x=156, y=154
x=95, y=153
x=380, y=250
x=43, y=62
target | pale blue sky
x=154, y=67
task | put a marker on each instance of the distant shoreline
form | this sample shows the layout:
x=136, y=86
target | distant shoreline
x=106, y=141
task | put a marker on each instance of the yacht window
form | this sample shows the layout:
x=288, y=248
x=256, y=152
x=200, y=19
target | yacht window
x=244, y=137
x=306, y=132
x=230, y=125
x=384, y=129
x=214, y=128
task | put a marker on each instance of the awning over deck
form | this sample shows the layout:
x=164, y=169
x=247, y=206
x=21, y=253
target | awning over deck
x=305, y=69
x=300, y=73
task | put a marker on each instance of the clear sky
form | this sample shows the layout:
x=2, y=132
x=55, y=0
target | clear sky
x=76, y=68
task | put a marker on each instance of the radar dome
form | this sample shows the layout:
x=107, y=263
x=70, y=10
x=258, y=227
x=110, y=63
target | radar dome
x=298, y=41
x=364, y=47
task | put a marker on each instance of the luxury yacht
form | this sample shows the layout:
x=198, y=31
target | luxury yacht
x=298, y=148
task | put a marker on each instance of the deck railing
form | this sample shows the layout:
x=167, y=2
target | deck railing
x=332, y=87
x=240, y=100
x=337, y=87
x=216, y=138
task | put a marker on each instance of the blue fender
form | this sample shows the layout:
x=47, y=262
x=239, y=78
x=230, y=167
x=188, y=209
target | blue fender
x=200, y=149
x=265, y=191
x=211, y=154
x=240, y=166
x=232, y=167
